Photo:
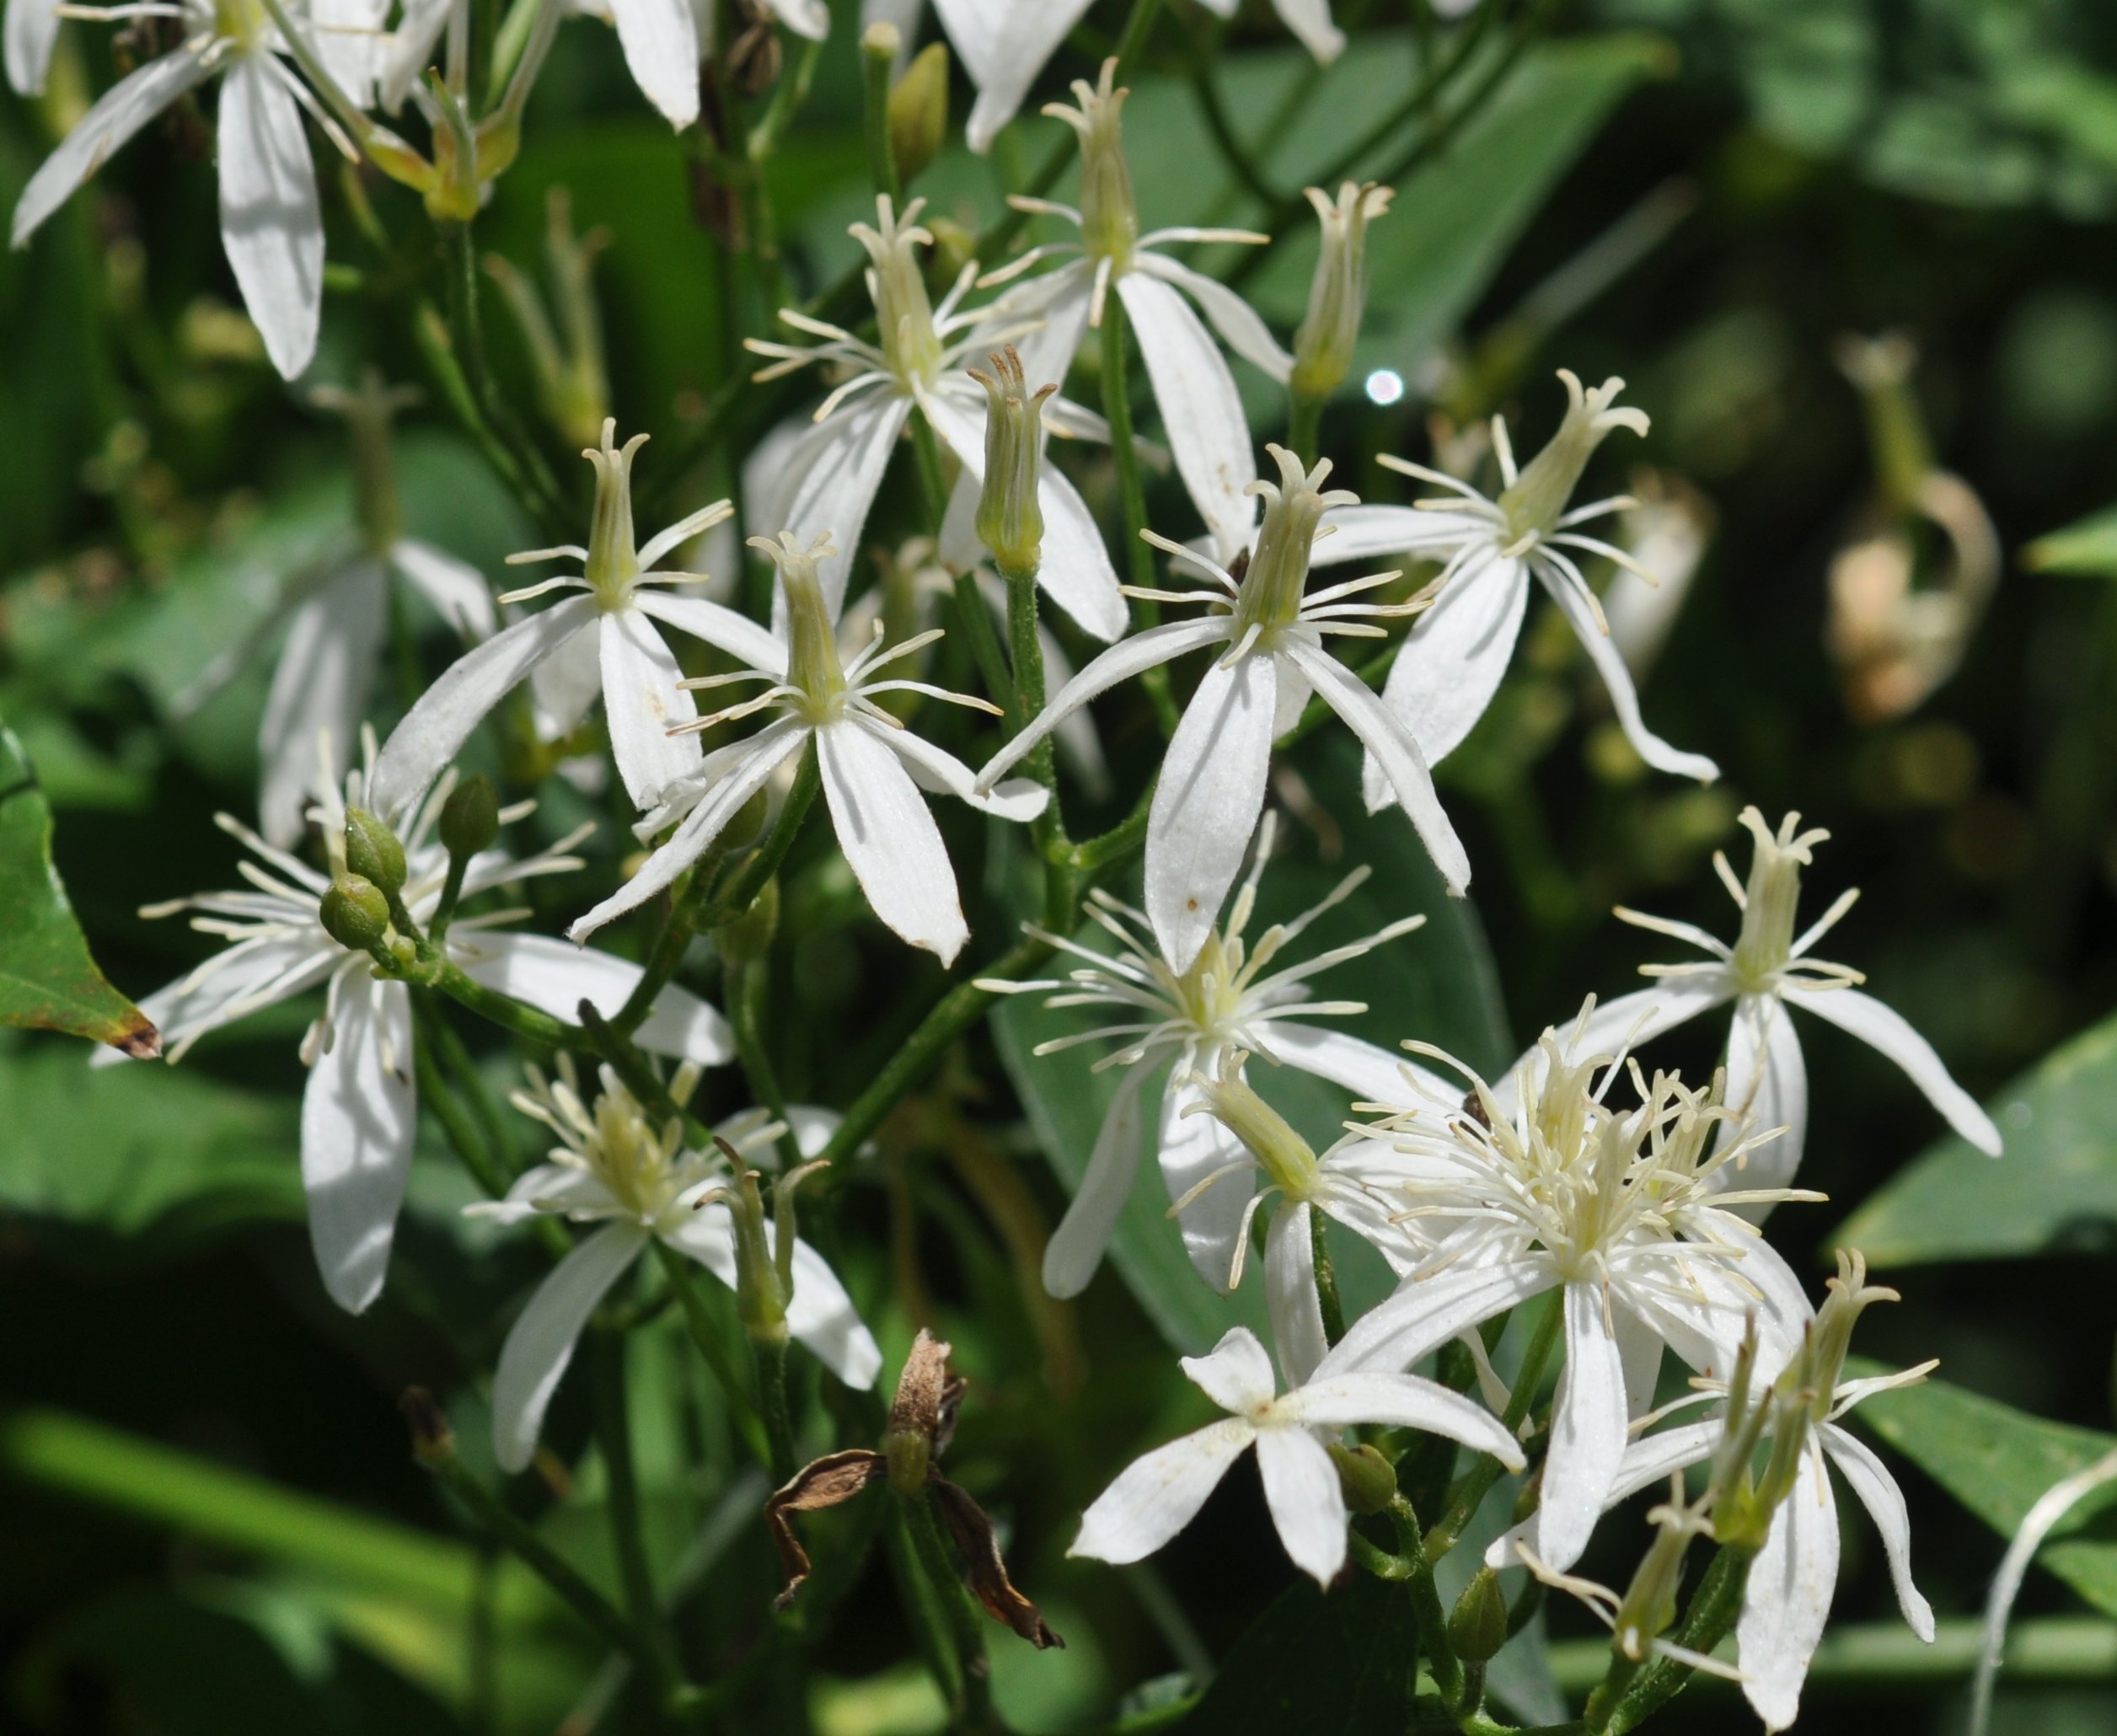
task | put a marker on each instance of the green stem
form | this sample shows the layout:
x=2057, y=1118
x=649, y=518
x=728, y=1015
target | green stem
x=976, y=626
x=974, y=1709
x=770, y=1356
x=613, y=1433
x=684, y=1282
x=1326, y=1296
x=1305, y=425
x=1442, y=1663
x=530, y=479
x=1709, y=1619
x=746, y=1017
x=881, y=155
x=464, y=1070
x=1117, y=410
x=1476, y=1483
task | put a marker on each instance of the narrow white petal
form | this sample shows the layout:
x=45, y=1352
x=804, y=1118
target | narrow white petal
x=1061, y=299
x=1588, y=1423
x=823, y=1317
x=827, y=483
x=660, y=42
x=1372, y=1074
x=280, y=969
x=319, y=690
x=805, y=18
x=270, y=222
x=1235, y=1373
x=122, y=111
x=435, y=729
x=1373, y=533
x=457, y=590
x=1639, y=1348
x=1003, y=48
x=548, y=1187
x=1401, y=1401
x=1076, y=1246
x=1308, y=1507
x=1451, y=661
x=1884, y=1028
x=1624, y=699
x=1768, y=1085
x=1647, y=1464
x=1310, y=21
x=890, y=840
x=555, y=977
x=1869, y=1479
x=1236, y=321
x=1192, y=1147
x=1200, y=408
x=640, y=700
x=938, y=770
x=566, y=684
x=1789, y=1597
x=1290, y=1301
x=715, y=623
x=358, y=1116
x=33, y=26
x=1206, y=804
x=541, y=1344
x=1424, y=1314
x=1635, y=1018
x=1157, y=1496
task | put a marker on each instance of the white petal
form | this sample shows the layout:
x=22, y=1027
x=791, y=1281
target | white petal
x=358, y=1116
x=640, y=700
x=1768, y=1085
x=1310, y=21
x=1206, y=804
x=1884, y=1028
x=435, y=729
x=1451, y=661
x=1360, y=533
x=320, y=689
x=805, y=18
x=768, y=750
x=350, y=40
x=1789, y=1597
x=1639, y=1348
x=1192, y=1147
x=1076, y=1246
x=937, y=769
x=555, y=977
x=1235, y=1373
x=122, y=111
x=458, y=590
x=1290, y=1301
x=1424, y=1314
x=827, y=483
x=1588, y=1424
x=278, y=970
x=1240, y=327
x=1636, y=1019
x=566, y=684
x=1061, y=299
x=33, y=26
x=737, y=634
x=822, y=1316
x=548, y=1187
x=270, y=223
x=1372, y=1074
x=660, y=42
x=1308, y=1507
x=1156, y=1496
x=1609, y=664
x=1870, y=1479
x=541, y=1344
x=1401, y=1401
x=1647, y=1464
x=1003, y=48
x=1200, y=408
x=890, y=840
x=1394, y=752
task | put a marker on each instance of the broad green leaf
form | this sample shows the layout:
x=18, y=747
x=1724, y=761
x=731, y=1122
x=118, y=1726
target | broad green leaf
x=1436, y=985
x=1324, y=1664
x=47, y=979
x=1997, y=1460
x=2055, y=1186
x=2086, y=550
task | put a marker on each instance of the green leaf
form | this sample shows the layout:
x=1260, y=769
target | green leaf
x=1324, y=1664
x=2054, y=1188
x=2087, y=550
x=47, y=979
x=1997, y=1460
x=1436, y=985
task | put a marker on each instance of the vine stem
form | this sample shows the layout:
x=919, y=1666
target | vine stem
x=1709, y=1619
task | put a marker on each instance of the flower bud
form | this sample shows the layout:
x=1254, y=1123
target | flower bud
x=1477, y=1624
x=354, y=913
x=373, y=852
x=1285, y=1156
x=759, y=1303
x=1011, y=522
x=470, y=817
x=1367, y=1479
x=918, y=110
x=1337, y=294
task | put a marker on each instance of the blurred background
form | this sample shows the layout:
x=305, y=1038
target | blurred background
x=1857, y=262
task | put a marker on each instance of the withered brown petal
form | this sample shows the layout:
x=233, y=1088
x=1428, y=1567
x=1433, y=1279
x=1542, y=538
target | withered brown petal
x=951, y=1403
x=922, y=1389
x=987, y=1572
x=829, y=1482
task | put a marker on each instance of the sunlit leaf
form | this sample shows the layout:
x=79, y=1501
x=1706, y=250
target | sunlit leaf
x=2087, y=550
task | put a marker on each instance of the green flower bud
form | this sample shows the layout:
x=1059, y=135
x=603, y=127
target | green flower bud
x=1285, y=1156
x=373, y=852
x=1477, y=1624
x=1368, y=1480
x=470, y=817
x=918, y=111
x=759, y=1303
x=1011, y=522
x=1337, y=294
x=354, y=913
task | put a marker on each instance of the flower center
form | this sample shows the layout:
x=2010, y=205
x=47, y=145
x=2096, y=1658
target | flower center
x=1293, y=508
x=613, y=557
x=1534, y=500
x=903, y=315
x=1208, y=992
x=813, y=665
x=243, y=21
x=1109, y=218
x=630, y=1158
x=1770, y=899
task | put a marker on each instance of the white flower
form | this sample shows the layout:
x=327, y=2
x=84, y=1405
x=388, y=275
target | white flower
x=1620, y=1210
x=872, y=767
x=1002, y=45
x=1212, y=782
x=1200, y=406
x=1765, y=974
x=611, y=627
x=1191, y=1020
x=1159, y=1494
x=1308, y=19
x=359, y=1108
x=271, y=223
x=614, y=1168
x=831, y=473
x=1451, y=661
x=32, y=29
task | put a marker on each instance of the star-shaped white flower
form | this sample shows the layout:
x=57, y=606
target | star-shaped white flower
x=614, y=1167
x=1192, y=1020
x=1766, y=973
x=827, y=477
x=1161, y=1493
x=873, y=768
x=1619, y=1209
x=1451, y=661
x=271, y=223
x=1200, y=407
x=612, y=625
x=1212, y=783
x=359, y=1109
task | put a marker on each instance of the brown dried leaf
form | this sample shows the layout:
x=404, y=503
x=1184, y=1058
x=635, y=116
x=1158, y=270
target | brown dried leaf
x=829, y=1482
x=979, y=1547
